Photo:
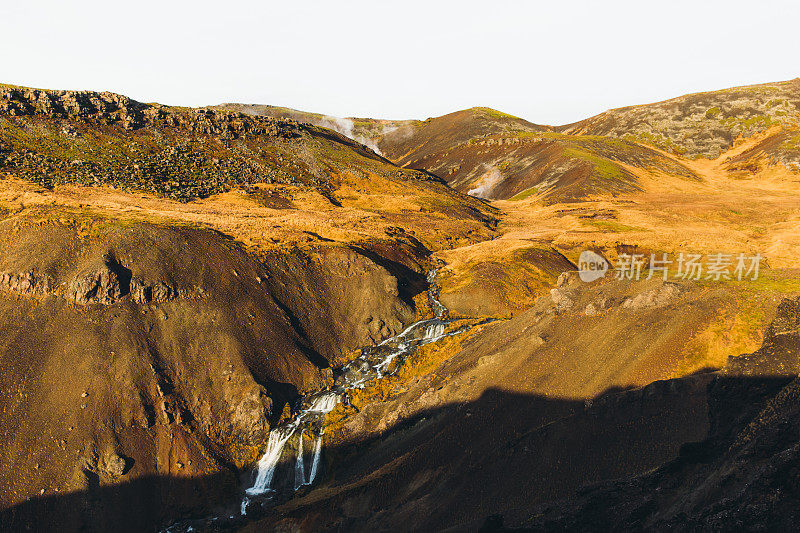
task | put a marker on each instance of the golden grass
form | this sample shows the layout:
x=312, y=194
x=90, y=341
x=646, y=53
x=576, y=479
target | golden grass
x=720, y=214
x=369, y=207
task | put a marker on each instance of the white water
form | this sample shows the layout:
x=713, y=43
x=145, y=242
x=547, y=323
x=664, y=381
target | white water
x=268, y=461
x=300, y=467
x=315, y=464
x=372, y=364
x=324, y=403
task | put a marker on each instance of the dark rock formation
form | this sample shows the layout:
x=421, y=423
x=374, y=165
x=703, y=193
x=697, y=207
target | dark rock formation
x=160, y=292
x=109, y=108
x=25, y=283
x=105, y=283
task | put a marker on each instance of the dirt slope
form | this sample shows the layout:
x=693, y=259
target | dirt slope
x=520, y=412
x=131, y=352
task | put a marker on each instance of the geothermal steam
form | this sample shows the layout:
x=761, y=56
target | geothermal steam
x=486, y=183
x=345, y=127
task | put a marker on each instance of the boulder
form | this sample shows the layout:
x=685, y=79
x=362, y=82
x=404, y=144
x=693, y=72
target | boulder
x=657, y=297
x=104, y=283
x=113, y=465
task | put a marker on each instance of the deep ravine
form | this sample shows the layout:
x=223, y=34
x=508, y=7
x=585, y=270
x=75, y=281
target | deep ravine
x=289, y=462
x=285, y=445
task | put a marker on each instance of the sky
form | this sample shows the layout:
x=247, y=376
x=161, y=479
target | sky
x=552, y=62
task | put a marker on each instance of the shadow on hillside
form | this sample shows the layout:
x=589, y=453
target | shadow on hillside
x=468, y=464
x=138, y=505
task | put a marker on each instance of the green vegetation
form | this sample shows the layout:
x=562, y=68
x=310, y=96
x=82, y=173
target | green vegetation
x=756, y=122
x=791, y=144
x=164, y=161
x=736, y=331
x=657, y=140
x=713, y=112
x=91, y=146
x=604, y=168
x=777, y=282
x=527, y=193
x=493, y=113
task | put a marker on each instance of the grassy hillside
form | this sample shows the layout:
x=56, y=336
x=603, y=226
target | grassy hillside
x=91, y=138
x=492, y=155
x=702, y=124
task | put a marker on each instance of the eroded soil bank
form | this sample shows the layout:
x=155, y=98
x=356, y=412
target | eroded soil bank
x=144, y=365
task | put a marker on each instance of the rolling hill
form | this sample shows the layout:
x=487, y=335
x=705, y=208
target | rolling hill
x=702, y=124
x=494, y=155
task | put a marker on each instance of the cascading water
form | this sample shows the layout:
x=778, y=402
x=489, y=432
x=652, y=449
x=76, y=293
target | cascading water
x=315, y=463
x=372, y=364
x=300, y=467
x=268, y=461
x=439, y=310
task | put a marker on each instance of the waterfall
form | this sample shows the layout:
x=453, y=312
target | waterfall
x=312, y=416
x=268, y=462
x=324, y=403
x=369, y=366
x=439, y=310
x=434, y=332
x=299, y=468
x=400, y=335
x=315, y=464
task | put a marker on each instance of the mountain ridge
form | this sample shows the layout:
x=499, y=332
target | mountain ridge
x=494, y=155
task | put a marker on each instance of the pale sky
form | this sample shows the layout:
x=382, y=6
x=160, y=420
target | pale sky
x=549, y=62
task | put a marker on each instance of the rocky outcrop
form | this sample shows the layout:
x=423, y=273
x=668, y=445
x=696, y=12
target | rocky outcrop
x=159, y=292
x=26, y=282
x=565, y=292
x=656, y=297
x=109, y=108
x=105, y=283
x=570, y=290
x=250, y=415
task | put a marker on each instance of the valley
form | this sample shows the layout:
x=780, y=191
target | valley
x=251, y=318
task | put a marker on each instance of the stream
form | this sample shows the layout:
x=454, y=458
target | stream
x=285, y=447
x=293, y=458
